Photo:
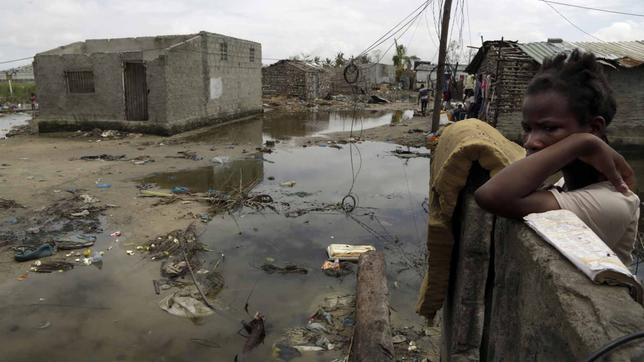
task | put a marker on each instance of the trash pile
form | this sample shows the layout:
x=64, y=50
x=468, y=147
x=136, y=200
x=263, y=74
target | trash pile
x=219, y=201
x=65, y=219
x=400, y=153
x=179, y=251
x=106, y=134
x=328, y=330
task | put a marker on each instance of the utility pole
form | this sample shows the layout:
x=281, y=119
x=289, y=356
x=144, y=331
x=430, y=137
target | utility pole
x=9, y=76
x=440, y=71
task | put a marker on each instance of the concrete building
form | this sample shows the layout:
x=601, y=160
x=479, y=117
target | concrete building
x=23, y=73
x=510, y=66
x=297, y=79
x=162, y=84
x=423, y=71
x=370, y=75
x=378, y=73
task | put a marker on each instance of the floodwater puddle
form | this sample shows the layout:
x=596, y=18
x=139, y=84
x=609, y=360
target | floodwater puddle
x=8, y=121
x=114, y=314
x=227, y=176
x=282, y=127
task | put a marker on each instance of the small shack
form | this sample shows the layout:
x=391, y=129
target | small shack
x=162, y=84
x=297, y=79
x=506, y=68
x=423, y=70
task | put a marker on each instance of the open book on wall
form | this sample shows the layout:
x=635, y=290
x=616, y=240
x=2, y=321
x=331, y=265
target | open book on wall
x=577, y=242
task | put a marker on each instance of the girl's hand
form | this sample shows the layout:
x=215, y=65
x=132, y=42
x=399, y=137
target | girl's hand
x=609, y=163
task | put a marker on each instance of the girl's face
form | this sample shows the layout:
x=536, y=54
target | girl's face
x=547, y=119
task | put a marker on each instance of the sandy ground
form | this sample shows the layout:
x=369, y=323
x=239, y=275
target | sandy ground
x=35, y=170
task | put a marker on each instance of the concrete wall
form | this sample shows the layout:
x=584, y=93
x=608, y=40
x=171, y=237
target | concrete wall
x=106, y=103
x=376, y=73
x=288, y=78
x=628, y=125
x=512, y=297
x=283, y=79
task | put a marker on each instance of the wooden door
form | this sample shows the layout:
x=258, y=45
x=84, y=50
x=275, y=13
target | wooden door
x=136, y=92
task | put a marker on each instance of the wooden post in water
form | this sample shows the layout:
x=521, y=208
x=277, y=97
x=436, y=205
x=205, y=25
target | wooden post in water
x=372, y=331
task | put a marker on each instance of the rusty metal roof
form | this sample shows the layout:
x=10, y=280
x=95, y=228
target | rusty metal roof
x=627, y=54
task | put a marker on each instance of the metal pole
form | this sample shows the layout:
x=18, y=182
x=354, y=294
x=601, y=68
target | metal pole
x=440, y=71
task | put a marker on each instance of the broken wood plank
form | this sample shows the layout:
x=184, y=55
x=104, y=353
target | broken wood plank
x=372, y=331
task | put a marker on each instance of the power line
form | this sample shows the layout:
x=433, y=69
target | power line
x=388, y=35
x=589, y=8
x=571, y=23
x=15, y=60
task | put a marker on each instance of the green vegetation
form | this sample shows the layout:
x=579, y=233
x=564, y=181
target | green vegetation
x=402, y=61
x=21, y=92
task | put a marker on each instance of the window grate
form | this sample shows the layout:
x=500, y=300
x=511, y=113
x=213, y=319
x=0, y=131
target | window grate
x=223, y=50
x=80, y=81
x=251, y=55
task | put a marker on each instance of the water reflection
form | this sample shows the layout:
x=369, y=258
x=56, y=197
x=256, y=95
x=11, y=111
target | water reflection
x=8, y=121
x=285, y=126
x=243, y=132
x=233, y=174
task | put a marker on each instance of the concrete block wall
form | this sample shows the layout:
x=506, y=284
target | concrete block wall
x=184, y=80
x=51, y=86
x=233, y=86
x=628, y=125
x=513, y=297
x=285, y=79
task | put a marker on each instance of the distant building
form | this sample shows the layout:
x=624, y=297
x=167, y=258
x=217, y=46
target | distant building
x=162, y=84
x=297, y=79
x=423, y=70
x=24, y=73
x=371, y=75
x=378, y=73
x=509, y=66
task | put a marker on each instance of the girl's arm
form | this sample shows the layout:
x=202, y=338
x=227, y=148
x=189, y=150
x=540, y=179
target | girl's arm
x=513, y=191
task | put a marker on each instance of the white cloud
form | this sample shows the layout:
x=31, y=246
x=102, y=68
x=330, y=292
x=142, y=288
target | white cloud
x=290, y=27
x=620, y=31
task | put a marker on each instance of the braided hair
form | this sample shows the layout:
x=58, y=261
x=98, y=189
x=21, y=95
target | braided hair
x=580, y=78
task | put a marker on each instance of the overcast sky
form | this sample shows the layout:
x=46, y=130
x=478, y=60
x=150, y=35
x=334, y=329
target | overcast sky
x=316, y=27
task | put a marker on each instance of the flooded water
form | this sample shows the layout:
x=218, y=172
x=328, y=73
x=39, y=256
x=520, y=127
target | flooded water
x=112, y=313
x=279, y=126
x=8, y=121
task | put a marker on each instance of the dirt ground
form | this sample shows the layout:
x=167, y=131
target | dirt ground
x=36, y=170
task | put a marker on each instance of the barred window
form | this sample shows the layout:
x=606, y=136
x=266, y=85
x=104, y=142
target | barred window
x=80, y=81
x=251, y=55
x=223, y=51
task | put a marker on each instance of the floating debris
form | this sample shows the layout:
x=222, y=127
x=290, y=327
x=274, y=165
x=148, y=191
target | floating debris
x=287, y=269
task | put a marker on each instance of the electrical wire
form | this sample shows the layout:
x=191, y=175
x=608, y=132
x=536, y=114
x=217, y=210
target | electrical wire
x=593, y=9
x=571, y=23
x=15, y=60
x=387, y=35
x=614, y=344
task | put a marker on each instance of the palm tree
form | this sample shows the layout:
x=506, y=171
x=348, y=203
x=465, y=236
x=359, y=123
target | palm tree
x=401, y=60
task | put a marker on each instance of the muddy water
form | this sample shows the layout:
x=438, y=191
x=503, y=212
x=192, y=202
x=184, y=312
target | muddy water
x=8, y=121
x=112, y=313
x=278, y=126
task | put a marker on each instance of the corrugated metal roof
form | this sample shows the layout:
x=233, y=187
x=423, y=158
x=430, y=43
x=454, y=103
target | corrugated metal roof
x=625, y=53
